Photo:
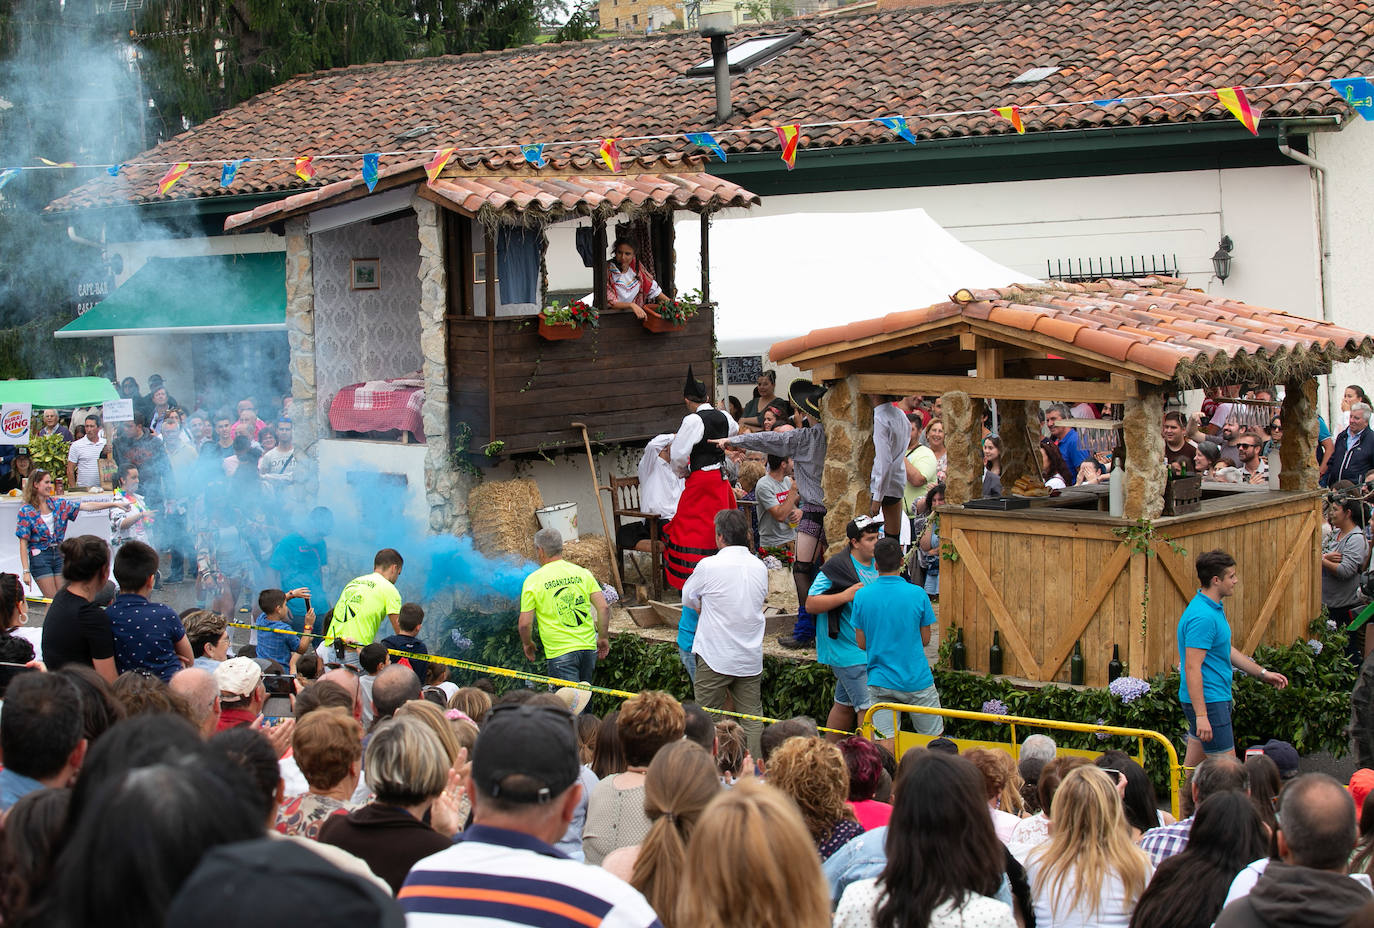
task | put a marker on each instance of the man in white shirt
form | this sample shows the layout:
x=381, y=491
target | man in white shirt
x=83, y=457
x=278, y=466
x=727, y=591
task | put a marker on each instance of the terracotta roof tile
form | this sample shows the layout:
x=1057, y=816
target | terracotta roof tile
x=953, y=57
x=1189, y=337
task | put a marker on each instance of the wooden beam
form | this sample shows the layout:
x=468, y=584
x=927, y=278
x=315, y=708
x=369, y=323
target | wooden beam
x=1105, y=364
x=1001, y=388
x=878, y=344
x=1282, y=578
x=1051, y=367
x=968, y=341
x=989, y=361
x=968, y=558
x=1128, y=385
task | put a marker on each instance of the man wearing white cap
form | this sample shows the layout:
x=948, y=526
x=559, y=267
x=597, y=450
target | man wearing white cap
x=241, y=693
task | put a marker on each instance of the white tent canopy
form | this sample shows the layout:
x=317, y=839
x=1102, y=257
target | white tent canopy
x=775, y=277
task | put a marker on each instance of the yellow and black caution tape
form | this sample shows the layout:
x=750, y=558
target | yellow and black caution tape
x=534, y=677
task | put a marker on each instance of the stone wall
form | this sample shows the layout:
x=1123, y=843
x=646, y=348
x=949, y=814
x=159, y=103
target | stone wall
x=963, y=419
x=1146, y=473
x=300, y=338
x=1298, y=450
x=1018, y=425
x=848, y=418
x=445, y=488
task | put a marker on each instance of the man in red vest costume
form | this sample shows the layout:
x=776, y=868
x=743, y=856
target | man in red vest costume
x=691, y=535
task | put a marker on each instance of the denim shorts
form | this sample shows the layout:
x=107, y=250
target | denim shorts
x=887, y=721
x=851, y=686
x=46, y=563
x=1219, y=715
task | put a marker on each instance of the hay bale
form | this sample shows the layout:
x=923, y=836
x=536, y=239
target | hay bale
x=502, y=514
x=590, y=552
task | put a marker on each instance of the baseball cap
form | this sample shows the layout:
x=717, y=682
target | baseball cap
x=535, y=743
x=863, y=525
x=1284, y=756
x=238, y=676
x=1361, y=784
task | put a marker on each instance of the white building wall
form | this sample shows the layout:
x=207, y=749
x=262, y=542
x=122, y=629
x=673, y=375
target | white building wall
x=1349, y=189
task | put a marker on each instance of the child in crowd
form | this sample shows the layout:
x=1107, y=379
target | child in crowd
x=282, y=645
x=892, y=620
x=410, y=619
x=372, y=658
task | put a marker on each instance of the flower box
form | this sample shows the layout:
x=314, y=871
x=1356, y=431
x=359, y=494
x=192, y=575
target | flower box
x=656, y=323
x=558, y=331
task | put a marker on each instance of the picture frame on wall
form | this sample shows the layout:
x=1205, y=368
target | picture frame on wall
x=365, y=274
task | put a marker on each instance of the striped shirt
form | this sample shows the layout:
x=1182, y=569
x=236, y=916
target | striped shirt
x=495, y=877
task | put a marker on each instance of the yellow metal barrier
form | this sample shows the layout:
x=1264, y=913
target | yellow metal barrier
x=906, y=739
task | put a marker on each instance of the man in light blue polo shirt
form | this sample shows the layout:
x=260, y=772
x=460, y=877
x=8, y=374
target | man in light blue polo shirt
x=892, y=620
x=1206, y=656
x=831, y=592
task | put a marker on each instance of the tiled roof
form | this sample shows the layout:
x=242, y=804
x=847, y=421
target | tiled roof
x=945, y=58
x=1155, y=323
x=511, y=188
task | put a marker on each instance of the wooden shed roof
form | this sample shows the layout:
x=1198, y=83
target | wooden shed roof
x=1153, y=329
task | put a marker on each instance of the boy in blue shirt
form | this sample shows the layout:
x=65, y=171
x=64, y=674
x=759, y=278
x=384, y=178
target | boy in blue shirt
x=892, y=620
x=831, y=594
x=284, y=644
x=1205, y=657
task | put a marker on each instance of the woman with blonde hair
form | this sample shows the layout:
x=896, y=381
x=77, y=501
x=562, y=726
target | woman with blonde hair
x=680, y=783
x=751, y=862
x=814, y=774
x=1089, y=874
x=472, y=702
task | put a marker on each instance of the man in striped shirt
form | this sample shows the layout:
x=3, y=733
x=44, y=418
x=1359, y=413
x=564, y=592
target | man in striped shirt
x=524, y=790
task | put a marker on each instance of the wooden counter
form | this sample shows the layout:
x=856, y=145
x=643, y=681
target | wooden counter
x=1056, y=573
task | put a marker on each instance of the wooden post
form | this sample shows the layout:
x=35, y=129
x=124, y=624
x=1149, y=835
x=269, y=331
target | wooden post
x=491, y=334
x=599, y=263
x=705, y=257
x=963, y=421
x=1146, y=475
x=1298, y=449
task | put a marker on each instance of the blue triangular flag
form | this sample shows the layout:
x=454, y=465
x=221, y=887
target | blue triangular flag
x=1108, y=101
x=370, y=163
x=230, y=170
x=898, y=125
x=114, y=169
x=534, y=154
x=7, y=175
x=1358, y=92
x=707, y=141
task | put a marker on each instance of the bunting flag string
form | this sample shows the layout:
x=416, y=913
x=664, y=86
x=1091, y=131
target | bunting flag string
x=534, y=154
x=1012, y=114
x=7, y=175
x=707, y=141
x=789, y=136
x=230, y=170
x=1234, y=99
x=371, y=168
x=305, y=167
x=1357, y=91
x=610, y=154
x=898, y=125
x=436, y=164
x=174, y=174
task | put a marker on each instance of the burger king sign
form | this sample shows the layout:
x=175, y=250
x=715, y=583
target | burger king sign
x=14, y=423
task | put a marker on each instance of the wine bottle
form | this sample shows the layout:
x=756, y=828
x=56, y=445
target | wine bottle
x=995, y=654
x=1114, y=667
x=1076, y=664
x=958, y=655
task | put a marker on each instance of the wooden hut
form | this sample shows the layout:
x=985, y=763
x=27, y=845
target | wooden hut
x=1063, y=569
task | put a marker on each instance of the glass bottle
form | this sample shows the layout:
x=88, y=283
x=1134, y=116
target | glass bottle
x=1076, y=664
x=995, y=654
x=1114, y=668
x=958, y=655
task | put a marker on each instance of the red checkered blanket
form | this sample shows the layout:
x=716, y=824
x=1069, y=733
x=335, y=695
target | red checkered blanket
x=356, y=408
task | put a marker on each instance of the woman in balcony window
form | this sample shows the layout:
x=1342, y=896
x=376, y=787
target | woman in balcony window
x=628, y=285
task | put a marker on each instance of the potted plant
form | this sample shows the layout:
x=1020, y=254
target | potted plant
x=558, y=322
x=48, y=452
x=672, y=315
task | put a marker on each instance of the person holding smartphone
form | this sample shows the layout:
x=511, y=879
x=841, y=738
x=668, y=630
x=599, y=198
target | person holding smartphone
x=283, y=644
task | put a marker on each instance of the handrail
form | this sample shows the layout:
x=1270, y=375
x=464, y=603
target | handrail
x=1140, y=734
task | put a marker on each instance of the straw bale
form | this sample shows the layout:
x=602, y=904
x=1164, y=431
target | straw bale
x=502, y=514
x=589, y=551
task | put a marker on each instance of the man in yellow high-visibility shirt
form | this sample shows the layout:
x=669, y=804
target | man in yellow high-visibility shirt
x=359, y=610
x=570, y=609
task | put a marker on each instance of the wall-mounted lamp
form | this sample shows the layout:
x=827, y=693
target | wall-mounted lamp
x=1221, y=261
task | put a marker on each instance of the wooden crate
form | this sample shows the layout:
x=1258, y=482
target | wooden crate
x=1182, y=495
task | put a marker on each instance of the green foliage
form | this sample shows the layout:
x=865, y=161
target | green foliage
x=48, y=452
x=581, y=25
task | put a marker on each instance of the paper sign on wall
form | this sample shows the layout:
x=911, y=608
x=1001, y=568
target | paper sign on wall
x=14, y=423
x=118, y=411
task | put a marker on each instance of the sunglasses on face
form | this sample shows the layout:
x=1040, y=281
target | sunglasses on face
x=1246, y=446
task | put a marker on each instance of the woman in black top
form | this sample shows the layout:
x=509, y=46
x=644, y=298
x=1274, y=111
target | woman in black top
x=76, y=630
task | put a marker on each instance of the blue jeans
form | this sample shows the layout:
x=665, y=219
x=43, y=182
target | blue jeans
x=689, y=663
x=577, y=666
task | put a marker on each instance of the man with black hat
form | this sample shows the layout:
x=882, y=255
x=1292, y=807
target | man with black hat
x=524, y=790
x=805, y=445
x=691, y=535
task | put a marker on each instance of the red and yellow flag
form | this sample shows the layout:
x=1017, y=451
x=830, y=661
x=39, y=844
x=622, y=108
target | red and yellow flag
x=305, y=167
x=57, y=164
x=610, y=154
x=1234, y=99
x=173, y=175
x=1012, y=114
x=436, y=165
x=789, y=136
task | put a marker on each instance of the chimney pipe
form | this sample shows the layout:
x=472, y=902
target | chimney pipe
x=717, y=27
